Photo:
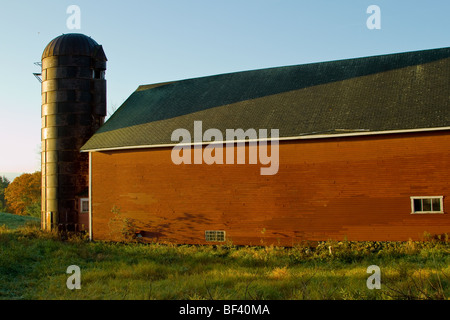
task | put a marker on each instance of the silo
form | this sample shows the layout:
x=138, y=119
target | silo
x=73, y=108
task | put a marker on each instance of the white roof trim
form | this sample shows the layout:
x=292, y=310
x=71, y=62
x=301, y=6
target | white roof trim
x=301, y=137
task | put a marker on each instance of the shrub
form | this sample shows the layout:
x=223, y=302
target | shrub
x=34, y=209
x=121, y=228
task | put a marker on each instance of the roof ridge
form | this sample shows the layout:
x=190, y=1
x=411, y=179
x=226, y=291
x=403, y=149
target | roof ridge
x=387, y=55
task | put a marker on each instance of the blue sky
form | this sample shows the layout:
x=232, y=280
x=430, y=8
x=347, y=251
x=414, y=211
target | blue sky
x=155, y=41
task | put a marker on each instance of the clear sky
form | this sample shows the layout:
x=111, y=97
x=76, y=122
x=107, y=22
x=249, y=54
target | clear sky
x=154, y=41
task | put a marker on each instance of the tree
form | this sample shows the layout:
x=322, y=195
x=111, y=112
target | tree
x=4, y=183
x=23, y=195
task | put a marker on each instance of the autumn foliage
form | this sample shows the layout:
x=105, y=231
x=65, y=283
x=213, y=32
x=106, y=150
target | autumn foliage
x=23, y=195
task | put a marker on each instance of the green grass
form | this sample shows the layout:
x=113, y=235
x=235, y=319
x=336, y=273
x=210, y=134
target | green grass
x=33, y=265
x=14, y=221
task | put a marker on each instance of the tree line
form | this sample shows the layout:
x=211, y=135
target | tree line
x=22, y=196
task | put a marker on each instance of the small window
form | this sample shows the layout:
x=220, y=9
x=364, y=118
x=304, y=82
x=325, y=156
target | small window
x=84, y=205
x=98, y=74
x=215, y=235
x=427, y=204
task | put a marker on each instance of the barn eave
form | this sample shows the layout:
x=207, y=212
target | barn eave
x=300, y=137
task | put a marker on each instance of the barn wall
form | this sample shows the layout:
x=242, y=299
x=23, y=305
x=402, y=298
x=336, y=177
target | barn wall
x=354, y=188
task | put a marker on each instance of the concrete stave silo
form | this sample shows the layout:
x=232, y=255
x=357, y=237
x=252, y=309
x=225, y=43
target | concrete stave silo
x=73, y=108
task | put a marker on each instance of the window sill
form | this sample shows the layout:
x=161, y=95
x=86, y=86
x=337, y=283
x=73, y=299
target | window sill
x=428, y=212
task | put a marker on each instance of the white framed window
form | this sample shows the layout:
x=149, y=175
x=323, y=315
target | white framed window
x=215, y=235
x=84, y=205
x=427, y=204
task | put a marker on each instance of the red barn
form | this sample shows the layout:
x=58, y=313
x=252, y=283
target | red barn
x=359, y=150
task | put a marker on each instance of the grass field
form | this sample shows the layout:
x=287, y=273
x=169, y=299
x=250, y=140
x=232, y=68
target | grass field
x=33, y=265
x=13, y=221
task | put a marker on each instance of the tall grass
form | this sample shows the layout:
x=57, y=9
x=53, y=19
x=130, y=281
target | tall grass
x=33, y=265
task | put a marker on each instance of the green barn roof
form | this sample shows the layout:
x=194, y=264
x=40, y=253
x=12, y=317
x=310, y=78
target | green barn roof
x=404, y=91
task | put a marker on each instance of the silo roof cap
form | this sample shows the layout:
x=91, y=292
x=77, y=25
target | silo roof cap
x=75, y=44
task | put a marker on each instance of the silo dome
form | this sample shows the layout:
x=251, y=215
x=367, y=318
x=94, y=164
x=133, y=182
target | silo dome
x=74, y=44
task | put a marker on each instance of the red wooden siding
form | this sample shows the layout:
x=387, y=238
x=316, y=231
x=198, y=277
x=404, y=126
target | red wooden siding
x=355, y=188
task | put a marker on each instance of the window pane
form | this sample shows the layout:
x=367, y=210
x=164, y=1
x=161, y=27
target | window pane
x=436, y=204
x=213, y=235
x=210, y=235
x=426, y=204
x=417, y=205
x=84, y=206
